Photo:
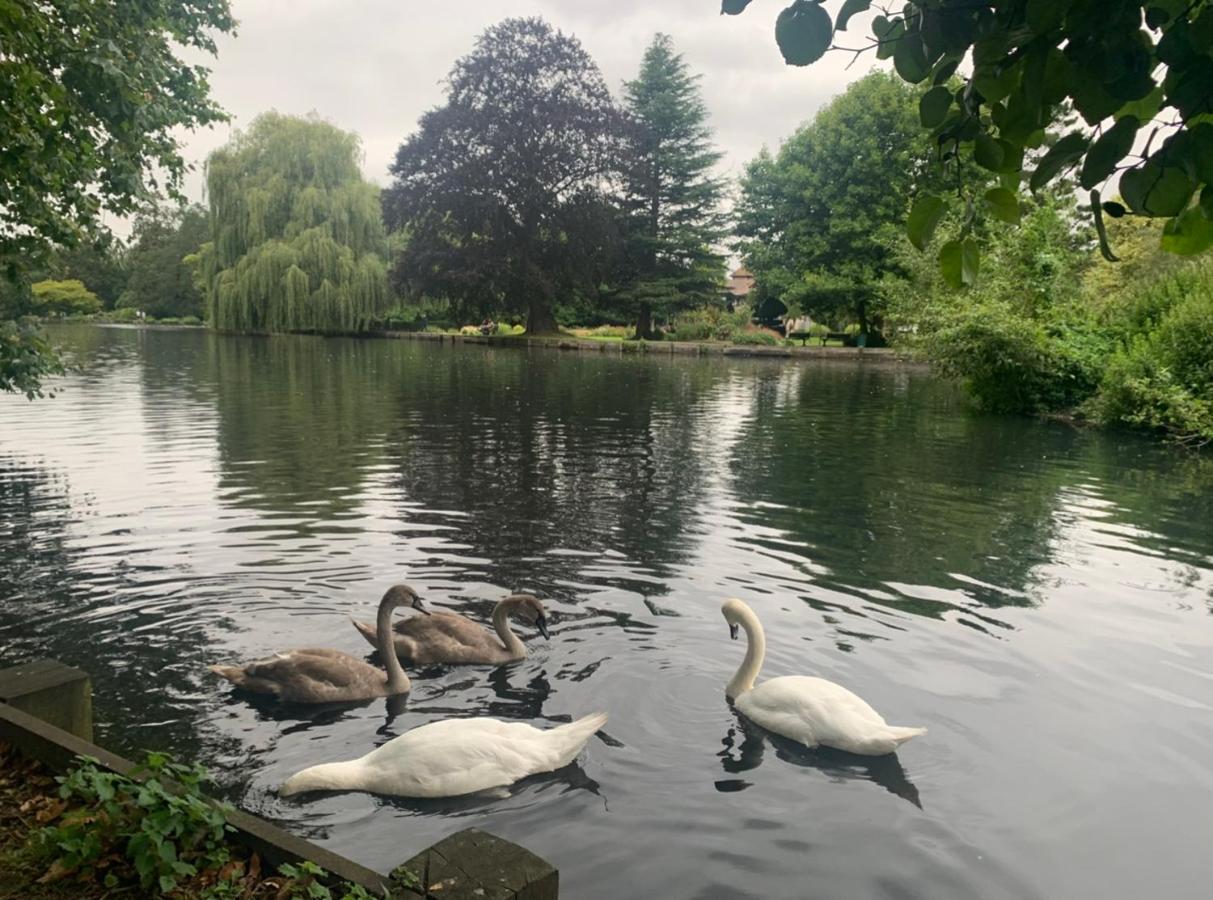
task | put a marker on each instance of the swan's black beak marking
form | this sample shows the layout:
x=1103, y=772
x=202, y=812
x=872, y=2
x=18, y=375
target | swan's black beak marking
x=417, y=606
x=733, y=630
x=542, y=624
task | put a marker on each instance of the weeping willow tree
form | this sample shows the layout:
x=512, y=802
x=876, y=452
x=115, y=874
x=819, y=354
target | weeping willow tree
x=297, y=240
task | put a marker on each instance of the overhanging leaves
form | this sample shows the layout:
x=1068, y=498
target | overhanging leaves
x=1065, y=152
x=803, y=32
x=924, y=218
x=1112, y=146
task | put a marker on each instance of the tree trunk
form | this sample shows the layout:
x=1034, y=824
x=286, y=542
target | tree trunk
x=644, y=322
x=540, y=318
x=863, y=316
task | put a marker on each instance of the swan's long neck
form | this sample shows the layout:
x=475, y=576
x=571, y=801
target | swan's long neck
x=501, y=624
x=755, y=651
x=337, y=776
x=397, y=681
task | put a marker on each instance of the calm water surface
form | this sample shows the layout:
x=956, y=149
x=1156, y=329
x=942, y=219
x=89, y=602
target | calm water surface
x=1040, y=598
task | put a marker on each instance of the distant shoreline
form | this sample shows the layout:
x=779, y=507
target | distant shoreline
x=883, y=356
x=877, y=356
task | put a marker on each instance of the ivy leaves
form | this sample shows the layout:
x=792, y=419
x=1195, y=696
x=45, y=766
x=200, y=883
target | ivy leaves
x=1136, y=76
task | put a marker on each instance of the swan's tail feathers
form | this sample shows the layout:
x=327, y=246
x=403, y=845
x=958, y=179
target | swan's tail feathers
x=569, y=739
x=243, y=679
x=235, y=674
x=367, y=630
x=901, y=735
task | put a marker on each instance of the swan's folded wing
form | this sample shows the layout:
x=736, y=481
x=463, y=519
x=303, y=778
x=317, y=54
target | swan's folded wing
x=314, y=675
x=812, y=710
x=454, y=757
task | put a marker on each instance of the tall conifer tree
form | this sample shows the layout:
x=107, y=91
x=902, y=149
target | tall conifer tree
x=670, y=196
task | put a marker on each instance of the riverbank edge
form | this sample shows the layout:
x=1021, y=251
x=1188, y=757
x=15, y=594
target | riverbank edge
x=867, y=355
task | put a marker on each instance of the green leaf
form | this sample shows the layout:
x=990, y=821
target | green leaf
x=959, y=262
x=1065, y=152
x=850, y=8
x=889, y=35
x=1003, y=204
x=924, y=218
x=910, y=58
x=1112, y=146
x=934, y=105
x=1114, y=209
x=733, y=7
x=988, y=152
x=1188, y=233
x=803, y=32
x=1045, y=15
x=1156, y=190
x=1097, y=212
x=1144, y=109
x=1206, y=201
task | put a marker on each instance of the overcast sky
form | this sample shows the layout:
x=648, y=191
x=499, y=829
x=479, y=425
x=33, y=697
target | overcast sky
x=373, y=66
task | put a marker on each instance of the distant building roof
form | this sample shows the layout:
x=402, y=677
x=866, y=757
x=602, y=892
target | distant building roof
x=741, y=282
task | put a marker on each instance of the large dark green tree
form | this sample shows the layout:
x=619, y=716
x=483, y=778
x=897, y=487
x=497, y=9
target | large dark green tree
x=160, y=281
x=670, y=196
x=297, y=242
x=810, y=218
x=1137, y=71
x=501, y=189
x=91, y=99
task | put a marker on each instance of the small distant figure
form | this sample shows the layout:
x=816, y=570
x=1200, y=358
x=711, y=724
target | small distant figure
x=488, y=326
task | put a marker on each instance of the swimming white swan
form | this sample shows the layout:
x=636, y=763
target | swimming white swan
x=810, y=710
x=447, y=637
x=451, y=758
x=320, y=675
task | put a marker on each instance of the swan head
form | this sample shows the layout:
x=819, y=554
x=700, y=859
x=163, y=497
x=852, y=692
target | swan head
x=734, y=612
x=531, y=609
x=403, y=595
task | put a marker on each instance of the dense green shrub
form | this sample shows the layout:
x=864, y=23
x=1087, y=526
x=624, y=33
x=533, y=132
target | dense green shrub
x=1161, y=377
x=760, y=336
x=710, y=323
x=1012, y=363
x=63, y=298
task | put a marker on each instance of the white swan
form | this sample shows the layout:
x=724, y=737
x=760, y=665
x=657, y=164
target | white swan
x=810, y=710
x=451, y=758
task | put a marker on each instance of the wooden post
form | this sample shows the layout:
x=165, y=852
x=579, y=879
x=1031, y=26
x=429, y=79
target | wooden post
x=475, y=865
x=58, y=694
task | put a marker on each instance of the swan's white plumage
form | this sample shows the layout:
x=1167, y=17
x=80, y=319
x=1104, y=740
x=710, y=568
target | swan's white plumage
x=453, y=757
x=813, y=711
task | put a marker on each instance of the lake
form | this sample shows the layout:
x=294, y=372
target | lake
x=1039, y=597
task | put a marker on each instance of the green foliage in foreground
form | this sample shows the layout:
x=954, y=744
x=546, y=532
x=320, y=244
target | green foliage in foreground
x=156, y=827
x=166, y=832
x=26, y=357
x=1128, y=67
x=297, y=240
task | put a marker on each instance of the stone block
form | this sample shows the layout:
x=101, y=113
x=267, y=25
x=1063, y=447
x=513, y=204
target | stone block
x=475, y=865
x=53, y=692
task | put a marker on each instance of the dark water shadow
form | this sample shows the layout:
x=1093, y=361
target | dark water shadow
x=315, y=715
x=745, y=746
